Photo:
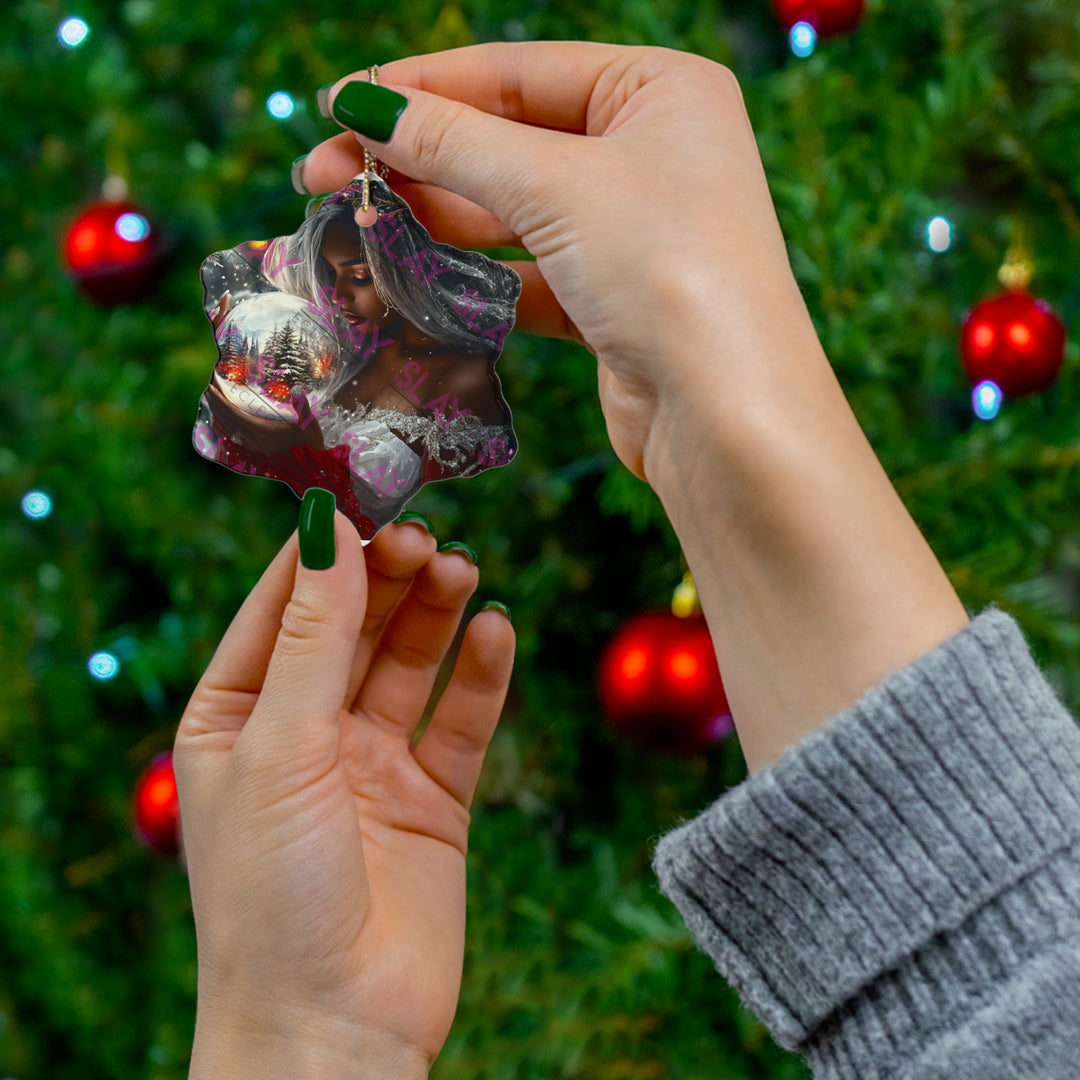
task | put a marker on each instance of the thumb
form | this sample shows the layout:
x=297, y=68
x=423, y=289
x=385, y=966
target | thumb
x=296, y=716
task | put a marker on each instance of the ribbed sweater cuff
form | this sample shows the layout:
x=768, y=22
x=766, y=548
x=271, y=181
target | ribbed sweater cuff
x=925, y=840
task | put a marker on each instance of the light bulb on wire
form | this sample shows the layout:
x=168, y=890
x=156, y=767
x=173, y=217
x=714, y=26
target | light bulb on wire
x=73, y=32
x=280, y=105
x=803, y=39
x=103, y=666
x=36, y=505
x=939, y=234
x=986, y=399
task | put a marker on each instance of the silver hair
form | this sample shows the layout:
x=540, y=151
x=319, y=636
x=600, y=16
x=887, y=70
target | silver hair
x=458, y=297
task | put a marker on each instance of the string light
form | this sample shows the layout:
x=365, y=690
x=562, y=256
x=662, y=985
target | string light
x=73, y=32
x=132, y=227
x=280, y=105
x=939, y=234
x=36, y=505
x=986, y=400
x=103, y=666
x=803, y=39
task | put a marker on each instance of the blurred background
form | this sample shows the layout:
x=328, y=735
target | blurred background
x=913, y=149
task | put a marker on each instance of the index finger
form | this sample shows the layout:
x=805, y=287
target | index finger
x=545, y=83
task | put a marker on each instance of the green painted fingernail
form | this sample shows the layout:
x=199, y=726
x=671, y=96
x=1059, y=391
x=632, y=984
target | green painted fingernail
x=297, y=175
x=369, y=109
x=317, y=529
x=322, y=100
x=461, y=548
x=412, y=516
x=502, y=609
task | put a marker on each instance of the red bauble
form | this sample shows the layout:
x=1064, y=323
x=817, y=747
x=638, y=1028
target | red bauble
x=825, y=16
x=113, y=252
x=660, y=684
x=1014, y=340
x=157, y=808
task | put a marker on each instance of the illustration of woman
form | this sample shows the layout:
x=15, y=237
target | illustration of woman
x=359, y=359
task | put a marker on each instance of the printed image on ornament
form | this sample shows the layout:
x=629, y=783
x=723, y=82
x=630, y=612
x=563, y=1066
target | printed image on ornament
x=357, y=359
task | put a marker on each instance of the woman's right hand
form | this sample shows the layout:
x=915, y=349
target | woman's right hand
x=633, y=177
x=255, y=429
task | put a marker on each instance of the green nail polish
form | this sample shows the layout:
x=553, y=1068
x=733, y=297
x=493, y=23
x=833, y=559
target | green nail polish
x=322, y=100
x=502, y=609
x=461, y=548
x=412, y=516
x=297, y=175
x=317, y=529
x=369, y=109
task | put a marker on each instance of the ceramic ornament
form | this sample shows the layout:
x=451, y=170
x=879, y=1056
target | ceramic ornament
x=357, y=359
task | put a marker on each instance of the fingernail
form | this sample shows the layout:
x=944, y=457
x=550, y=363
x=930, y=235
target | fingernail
x=502, y=609
x=297, y=175
x=412, y=516
x=369, y=109
x=322, y=99
x=461, y=548
x=317, y=529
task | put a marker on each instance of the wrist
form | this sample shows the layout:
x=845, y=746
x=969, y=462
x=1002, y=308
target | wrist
x=746, y=372
x=308, y=1048
x=815, y=579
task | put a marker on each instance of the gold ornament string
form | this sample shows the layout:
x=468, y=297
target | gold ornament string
x=370, y=162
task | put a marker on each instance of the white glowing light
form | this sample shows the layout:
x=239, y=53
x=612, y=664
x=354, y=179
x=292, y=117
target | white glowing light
x=939, y=234
x=986, y=400
x=73, y=32
x=36, y=505
x=280, y=105
x=803, y=39
x=132, y=227
x=103, y=666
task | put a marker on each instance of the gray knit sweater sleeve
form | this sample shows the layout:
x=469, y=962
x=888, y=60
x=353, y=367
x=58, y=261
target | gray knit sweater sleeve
x=899, y=896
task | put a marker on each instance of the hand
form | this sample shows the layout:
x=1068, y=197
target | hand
x=326, y=852
x=633, y=176
x=661, y=217
x=263, y=434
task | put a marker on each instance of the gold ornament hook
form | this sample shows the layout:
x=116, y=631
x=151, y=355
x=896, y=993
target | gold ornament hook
x=684, y=602
x=370, y=162
x=1017, y=269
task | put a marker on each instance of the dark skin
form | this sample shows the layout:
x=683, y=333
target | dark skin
x=416, y=370
x=411, y=374
x=412, y=369
x=260, y=435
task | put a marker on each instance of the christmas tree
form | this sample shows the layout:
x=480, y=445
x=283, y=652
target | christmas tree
x=906, y=156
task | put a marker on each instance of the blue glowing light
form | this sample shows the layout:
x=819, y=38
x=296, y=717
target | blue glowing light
x=103, y=666
x=803, y=39
x=132, y=227
x=280, y=105
x=73, y=32
x=939, y=234
x=36, y=505
x=986, y=400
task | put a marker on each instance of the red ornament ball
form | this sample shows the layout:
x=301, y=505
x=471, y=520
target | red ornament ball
x=1014, y=340
x=113, y=252
x=157, y=807
x=660, y=684
x=825, y=16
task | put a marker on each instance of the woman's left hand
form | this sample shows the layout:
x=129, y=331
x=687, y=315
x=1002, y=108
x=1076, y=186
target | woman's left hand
x=326, y=851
